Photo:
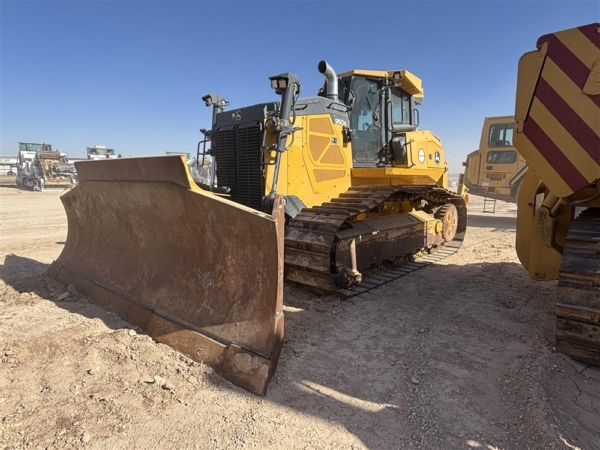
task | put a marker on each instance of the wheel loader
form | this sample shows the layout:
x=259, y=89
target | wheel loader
x=324, y=191
x=496, y=169
x=557, y=113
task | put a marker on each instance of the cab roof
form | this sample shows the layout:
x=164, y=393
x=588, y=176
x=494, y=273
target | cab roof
x=408, y=81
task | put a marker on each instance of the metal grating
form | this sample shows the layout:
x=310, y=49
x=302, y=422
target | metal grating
x=238, y=152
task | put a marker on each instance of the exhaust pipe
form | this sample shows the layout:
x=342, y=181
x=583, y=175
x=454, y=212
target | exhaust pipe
x=330, y=79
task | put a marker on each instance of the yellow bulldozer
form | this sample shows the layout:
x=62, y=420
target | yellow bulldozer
x=324, y=191
x=557, y=116
x=496, y=169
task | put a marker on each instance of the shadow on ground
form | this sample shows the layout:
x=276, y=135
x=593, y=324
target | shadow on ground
x=28, y=275
x=450, y=356
x=496, y=223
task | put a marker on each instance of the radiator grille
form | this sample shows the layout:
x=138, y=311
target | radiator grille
x=237, y=152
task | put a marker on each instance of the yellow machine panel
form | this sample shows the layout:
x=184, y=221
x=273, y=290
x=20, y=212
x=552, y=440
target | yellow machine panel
x=496, y=169
x=558, y=221
x=558, y=109
x=423, y=163
x=321, y=172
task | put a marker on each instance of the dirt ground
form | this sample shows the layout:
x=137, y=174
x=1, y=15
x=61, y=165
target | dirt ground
x=458, y=355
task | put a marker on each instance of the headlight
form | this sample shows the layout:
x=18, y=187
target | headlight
x=207, y=99
x=278, y=82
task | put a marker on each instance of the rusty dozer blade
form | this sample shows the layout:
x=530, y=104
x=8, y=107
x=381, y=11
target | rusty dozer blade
x=197, y=272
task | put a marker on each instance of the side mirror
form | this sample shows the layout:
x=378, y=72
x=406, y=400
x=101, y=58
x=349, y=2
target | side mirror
x=347, y=134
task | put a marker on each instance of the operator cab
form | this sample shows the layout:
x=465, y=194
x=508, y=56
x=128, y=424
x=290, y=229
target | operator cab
x=382, y=109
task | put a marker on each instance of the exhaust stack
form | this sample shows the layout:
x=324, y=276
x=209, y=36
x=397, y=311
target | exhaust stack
x=330, y=79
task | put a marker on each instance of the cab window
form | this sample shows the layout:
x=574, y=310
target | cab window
x=501, y=135
x=400, y=107
x=502, y=157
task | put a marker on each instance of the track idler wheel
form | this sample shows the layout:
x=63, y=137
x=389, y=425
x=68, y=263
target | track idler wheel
x=449, y=217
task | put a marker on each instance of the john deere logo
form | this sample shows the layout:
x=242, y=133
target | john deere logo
x=437, y=157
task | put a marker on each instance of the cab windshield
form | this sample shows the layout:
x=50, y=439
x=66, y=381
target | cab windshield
x=501, y=135
x=366, y=120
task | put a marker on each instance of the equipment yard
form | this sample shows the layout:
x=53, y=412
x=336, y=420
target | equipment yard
x=457, y=355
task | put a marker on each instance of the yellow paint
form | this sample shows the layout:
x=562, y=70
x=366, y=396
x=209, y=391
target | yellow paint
x=592, y=84
x=408, y=81
x=317, y=146
x=570, y=93
x=535, y=159
x=317, y=166
x=366, y=73
x=473, y=169
x=333, y=155
x=534, y=65
x=321, y=124
x=432, y=225
x=544, y=216
x=530, y=67
x=327, y=174
x=579, y=45
x=393, y=176
x=564, y=140
x=414, y=172
x=492, y=178
x=536, y=241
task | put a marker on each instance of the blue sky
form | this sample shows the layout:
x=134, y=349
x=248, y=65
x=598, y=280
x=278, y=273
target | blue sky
x=130, y=75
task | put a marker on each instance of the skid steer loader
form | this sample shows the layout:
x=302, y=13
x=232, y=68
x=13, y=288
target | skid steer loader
x=333, y=187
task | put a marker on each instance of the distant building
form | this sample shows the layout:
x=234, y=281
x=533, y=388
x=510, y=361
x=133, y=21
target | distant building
x=100, y=152
x=8, y=164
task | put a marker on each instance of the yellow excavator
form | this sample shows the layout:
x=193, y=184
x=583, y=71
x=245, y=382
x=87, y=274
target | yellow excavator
x=325, y=190
x=557, y=113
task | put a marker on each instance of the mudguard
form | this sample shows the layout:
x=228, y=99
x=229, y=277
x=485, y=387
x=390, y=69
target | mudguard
x=196, y=271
